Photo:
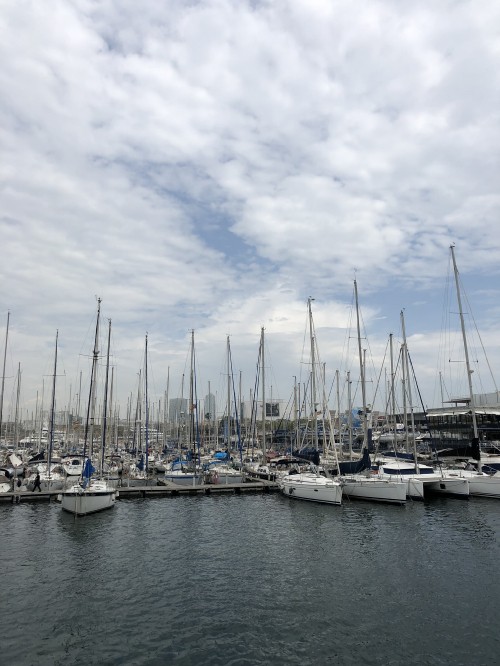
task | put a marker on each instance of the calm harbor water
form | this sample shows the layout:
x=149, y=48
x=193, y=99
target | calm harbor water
x=251, y=579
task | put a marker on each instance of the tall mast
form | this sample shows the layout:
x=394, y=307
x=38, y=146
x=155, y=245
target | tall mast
x=391, y=390
x=361, y=370
x=89, y=421
x=16, y=415
x=192, y=404
x=349, y=404
x=3, y=373
x=263, y=393
x=105, y=404
x=52, y=411
x=166, y=410
x=228, y=429
x=295, y=414
x=475, y=442
x=313, y=375
x=337, y=377
x=406, y=370
x=146, y=402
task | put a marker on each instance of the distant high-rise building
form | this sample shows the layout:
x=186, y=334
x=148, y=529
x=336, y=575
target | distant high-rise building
x=274, y=409
x=177, y=409
x=209, y=407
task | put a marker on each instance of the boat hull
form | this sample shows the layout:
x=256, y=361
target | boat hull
x=374, y=490
x=480, y=485
x=311, y=489
x=82, y=502
x=458, y=487
x=183, y=478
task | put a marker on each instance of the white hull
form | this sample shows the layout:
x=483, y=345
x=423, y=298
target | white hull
x=485, y=486
x=73, y=467
x=47, y=484
x=414, y=488
x=417, y=483
x=222, y=474
x=311, y=488
x=374, y=489
x=222, y=479
x=138, y=482
x=183, y=478
x=480, y=485
x=96, y=497
x=450, y=486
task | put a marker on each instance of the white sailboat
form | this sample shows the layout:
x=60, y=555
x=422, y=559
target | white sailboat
x=185, y=471
x=312, y=485
x=418, y=478
x=363, y=485
x=50, y=473
x=91, y=495
x=480, y=483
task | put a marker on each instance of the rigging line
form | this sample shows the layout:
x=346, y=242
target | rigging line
x=238, y=429
x=471, y=314
x=380, y=374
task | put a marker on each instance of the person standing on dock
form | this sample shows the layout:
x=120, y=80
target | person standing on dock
x=37, y=483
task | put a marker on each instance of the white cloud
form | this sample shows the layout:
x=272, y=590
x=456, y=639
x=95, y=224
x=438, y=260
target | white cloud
x=209, y=166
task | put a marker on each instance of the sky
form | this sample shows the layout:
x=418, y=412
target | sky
x=209, y=166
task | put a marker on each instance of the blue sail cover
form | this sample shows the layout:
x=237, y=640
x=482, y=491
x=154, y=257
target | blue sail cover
x=140, y=464
x=88, y=470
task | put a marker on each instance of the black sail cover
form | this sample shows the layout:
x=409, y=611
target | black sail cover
x=355, y=466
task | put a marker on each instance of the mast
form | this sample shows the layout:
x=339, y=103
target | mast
x=192, y=401
x=16, y=414
x=296, y=415
x=337, y=377
x=3, y=373
x=391, y=391
x=166, y=410
x=406, y=370
x=105, y=405
x=40, y=428
x=403, y=382
x=52, y=411
x=349, y=404
x=146, y=403
x=181, y=416
x=476, y=450
x=313, y=376
x=263, y=392
x=89, y=420
x=228, y=429
x=361, y=370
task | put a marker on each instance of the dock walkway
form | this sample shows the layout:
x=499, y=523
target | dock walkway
x=170, y=489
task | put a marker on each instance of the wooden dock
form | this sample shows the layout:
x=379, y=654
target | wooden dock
x=170, y=489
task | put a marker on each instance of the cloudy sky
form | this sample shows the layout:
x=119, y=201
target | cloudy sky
x=210, y=165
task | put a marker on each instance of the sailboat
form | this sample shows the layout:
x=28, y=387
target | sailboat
x=92, y=494
x=50, y=478
x=219, y=469
x=356, y=478
x=312, y=485
x=187, y=471
x=418, y=477
x=480, y=483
